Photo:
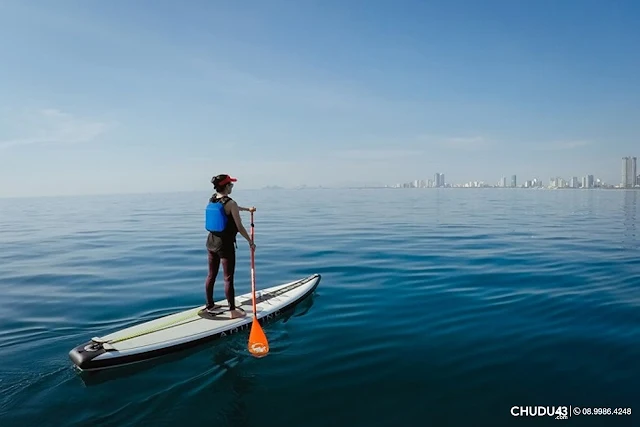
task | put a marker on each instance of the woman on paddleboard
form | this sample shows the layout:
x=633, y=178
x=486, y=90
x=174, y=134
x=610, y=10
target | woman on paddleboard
x=222, y=220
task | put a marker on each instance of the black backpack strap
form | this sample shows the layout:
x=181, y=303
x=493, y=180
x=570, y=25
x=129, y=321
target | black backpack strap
x=224, y=199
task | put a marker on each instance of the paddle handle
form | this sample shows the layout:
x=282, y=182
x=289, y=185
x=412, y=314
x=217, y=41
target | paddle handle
x=253, y=268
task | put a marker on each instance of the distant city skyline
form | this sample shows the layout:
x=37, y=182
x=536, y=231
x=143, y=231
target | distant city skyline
x=629, y=179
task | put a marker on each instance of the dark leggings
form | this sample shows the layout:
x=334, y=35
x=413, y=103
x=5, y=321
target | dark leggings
x=229, y=267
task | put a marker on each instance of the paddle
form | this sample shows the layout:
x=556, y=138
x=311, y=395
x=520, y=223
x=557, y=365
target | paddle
x=258, y=344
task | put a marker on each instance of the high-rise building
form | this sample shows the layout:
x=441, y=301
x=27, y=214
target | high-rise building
x=439, y=180
x=503, y=182
x=574, y=182
x=629, y=172
x=513, y=181
x=589, y=181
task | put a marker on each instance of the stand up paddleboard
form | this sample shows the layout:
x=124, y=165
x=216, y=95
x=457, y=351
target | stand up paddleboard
x=188, y=328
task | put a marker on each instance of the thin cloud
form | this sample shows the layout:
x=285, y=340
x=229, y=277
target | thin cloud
x=473, y=142
x=51, y=126
x=214, y=69
x=476, y=142
x=376, y=154
x=413, y=148
x=296, y=92
x=562, y=145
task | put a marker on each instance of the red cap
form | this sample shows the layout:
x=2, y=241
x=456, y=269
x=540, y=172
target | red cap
x=223, y=179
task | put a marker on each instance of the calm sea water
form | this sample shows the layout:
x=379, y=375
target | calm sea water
x=436, y=307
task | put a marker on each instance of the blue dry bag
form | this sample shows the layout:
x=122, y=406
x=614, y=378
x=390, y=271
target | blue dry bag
x=215, y=218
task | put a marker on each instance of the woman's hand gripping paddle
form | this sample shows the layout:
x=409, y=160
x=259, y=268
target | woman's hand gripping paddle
x=258, y=344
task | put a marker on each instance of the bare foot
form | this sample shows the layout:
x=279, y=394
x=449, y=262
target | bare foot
x=237, y=313
x=213, y=309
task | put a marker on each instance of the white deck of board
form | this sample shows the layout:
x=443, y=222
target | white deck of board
x=193, y=326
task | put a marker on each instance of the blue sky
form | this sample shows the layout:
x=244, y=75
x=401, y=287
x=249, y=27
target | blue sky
x=122, y=96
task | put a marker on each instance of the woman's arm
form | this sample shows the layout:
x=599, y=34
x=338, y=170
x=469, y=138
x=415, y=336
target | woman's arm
x=235, y=212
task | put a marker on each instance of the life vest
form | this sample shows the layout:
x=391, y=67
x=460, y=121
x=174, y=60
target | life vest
x=215, y=218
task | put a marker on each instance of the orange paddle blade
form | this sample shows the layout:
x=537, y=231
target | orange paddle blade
x=258, y=344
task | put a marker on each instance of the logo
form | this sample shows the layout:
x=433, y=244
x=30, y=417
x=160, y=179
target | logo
x=257, y=347
x=558, y=412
